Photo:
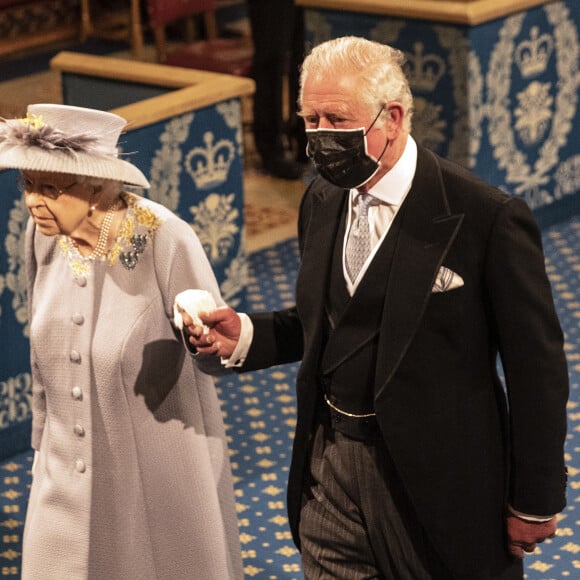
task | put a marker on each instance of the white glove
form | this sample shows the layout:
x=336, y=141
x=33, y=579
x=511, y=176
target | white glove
x=192, y=302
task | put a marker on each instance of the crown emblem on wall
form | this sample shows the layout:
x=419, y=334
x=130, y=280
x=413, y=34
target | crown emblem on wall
x=532, y=55
x=423, y=71
x=209, y=166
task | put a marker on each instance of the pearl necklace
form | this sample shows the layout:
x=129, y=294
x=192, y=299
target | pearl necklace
x=100, y=248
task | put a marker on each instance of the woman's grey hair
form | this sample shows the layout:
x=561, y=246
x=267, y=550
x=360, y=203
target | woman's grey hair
x=379, y=66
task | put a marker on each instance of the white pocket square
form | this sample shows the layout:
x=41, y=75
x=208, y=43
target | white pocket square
x=446, y=280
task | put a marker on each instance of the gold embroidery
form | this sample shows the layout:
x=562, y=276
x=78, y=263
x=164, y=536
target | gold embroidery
x=135, y=231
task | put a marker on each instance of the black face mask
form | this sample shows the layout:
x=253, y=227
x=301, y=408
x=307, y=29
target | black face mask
x=340, y=155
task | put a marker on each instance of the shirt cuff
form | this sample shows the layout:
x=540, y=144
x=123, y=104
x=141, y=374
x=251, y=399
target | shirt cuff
x=529, y=517
x=240, y=353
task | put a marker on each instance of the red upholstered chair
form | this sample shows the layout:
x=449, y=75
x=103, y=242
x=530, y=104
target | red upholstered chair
x=225, y=55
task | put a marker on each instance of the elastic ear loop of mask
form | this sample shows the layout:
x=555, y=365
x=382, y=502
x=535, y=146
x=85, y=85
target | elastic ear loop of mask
x=371, y=126
x=375, y=119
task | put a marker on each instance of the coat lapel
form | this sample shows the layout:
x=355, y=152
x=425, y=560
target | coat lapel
x=321, y=225
x=427, y=231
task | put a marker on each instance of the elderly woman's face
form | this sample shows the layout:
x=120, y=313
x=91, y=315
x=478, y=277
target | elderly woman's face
x=57, y=202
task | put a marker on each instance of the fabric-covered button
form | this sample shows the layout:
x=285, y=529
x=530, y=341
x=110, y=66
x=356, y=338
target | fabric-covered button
x=77, y=393
x=81, y=281
x=79, y=430
x=75, y=356
x=80, y=466
x=78, y=318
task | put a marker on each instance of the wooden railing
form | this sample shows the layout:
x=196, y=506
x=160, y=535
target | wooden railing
x=469, y=12
x=194, y=89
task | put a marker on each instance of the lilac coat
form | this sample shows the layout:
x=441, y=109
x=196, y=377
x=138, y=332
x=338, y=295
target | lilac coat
x=131, y=477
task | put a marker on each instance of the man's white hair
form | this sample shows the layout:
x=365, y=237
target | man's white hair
x=379, y=66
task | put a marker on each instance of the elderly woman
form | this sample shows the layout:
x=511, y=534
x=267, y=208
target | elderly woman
x=131, y=478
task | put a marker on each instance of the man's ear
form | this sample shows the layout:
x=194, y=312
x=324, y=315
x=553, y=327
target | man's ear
x=395, y=114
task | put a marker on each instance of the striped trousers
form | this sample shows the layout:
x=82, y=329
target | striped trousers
x=356, y=521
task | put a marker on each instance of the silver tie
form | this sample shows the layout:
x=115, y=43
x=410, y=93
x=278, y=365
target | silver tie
x=358, y=245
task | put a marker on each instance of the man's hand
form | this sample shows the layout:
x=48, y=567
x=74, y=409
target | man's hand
x=224, y=331
x=523, y=535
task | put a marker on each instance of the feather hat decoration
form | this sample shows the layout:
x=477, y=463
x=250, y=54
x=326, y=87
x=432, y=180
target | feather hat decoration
x=67, y=139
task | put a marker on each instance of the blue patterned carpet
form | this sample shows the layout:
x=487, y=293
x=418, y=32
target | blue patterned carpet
x=259, y=410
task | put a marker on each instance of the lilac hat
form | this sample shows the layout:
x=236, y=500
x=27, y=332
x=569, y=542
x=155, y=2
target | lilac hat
x=66, y=139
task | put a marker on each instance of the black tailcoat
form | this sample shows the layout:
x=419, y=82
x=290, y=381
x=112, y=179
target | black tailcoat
x=441, y=406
